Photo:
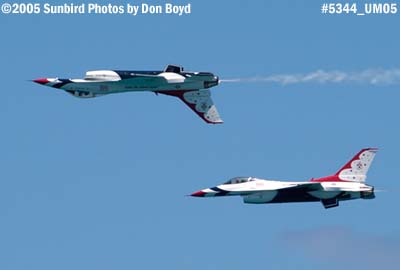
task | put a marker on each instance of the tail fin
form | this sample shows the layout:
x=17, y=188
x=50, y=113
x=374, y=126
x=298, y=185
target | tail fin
x=355, y=170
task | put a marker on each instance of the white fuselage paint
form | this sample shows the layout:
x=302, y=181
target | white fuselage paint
x=266, y=190
x=103, y=82
x=347, y=184
x=127, y=85
x=191, y=87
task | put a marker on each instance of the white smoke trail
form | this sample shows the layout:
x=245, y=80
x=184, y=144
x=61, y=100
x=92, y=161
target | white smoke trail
x=368, y=76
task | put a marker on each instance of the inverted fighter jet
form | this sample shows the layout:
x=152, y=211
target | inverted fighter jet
x=347, y=184
x=191, y=87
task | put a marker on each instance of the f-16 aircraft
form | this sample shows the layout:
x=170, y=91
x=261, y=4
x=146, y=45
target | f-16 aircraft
x=347, y=184
x=191, y=87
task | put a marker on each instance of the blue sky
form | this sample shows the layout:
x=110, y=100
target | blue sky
x=101, y=183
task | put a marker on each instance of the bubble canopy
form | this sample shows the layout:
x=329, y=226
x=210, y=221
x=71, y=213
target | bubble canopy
x=238, y=180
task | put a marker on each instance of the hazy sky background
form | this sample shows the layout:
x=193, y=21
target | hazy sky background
x=101, y=183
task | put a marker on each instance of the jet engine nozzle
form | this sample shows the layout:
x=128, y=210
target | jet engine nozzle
x=370, y=194
x=214, y=82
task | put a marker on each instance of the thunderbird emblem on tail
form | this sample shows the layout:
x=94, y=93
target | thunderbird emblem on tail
x=347, y=184
x=191, y=87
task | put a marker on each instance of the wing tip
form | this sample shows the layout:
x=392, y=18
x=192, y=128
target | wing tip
x=217, y=122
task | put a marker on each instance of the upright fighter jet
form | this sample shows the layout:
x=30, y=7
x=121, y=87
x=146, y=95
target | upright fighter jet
x=347, y=184
x=191, y=87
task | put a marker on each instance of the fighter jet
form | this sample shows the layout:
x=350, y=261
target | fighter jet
x=347, y=184
x=191, y=87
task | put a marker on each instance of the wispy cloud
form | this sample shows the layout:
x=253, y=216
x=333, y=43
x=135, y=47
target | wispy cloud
x=340, y=246
x=377, y=76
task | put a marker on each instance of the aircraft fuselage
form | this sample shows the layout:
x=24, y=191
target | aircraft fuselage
x=102, y=82
x=258, y=191
x=191, y=87
x=347, y=184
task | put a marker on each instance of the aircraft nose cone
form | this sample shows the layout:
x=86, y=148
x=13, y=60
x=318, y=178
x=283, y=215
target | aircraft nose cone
x=41, y=81
x=198, y=194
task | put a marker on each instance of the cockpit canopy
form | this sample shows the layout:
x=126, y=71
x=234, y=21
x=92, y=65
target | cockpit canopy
x=238, y=180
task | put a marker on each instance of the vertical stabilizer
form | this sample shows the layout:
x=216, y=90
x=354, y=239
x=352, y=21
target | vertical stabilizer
x=355, y=170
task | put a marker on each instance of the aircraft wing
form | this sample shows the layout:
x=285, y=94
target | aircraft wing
x=306, y=187
x=313, y=186
x=200, y=102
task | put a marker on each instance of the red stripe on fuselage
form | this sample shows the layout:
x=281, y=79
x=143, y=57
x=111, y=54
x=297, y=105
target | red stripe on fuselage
x=331, y=178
